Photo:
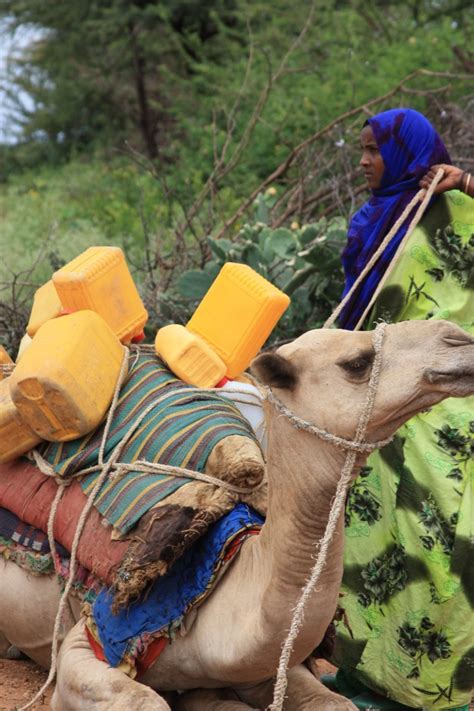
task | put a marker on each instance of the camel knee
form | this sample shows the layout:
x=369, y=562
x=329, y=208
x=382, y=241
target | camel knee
x=210, y=700
x=84, y=683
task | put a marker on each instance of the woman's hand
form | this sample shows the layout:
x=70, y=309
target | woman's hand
x=452, y=179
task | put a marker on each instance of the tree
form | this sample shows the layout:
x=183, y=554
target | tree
x=109, y=69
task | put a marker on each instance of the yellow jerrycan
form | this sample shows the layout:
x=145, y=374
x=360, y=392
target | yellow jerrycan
x=189, y=356
x=46, y=305
x=65, y=380
x=237, y=315
x=6, y=361
x=99, y=280
x=230, y=325
x=16, y=438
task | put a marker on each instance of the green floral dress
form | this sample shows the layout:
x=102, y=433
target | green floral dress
x=407, y=627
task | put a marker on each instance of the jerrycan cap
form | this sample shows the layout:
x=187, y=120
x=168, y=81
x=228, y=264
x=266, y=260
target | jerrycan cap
x=139, y=337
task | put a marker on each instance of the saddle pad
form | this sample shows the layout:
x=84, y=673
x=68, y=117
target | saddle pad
x=172, y=424
x=28, y=494
x=126, y=636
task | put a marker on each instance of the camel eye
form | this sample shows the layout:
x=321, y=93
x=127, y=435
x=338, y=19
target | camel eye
x=357, y=366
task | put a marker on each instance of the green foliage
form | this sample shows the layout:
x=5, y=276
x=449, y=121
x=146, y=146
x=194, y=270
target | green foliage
x=207, y=99
x=303, y=261
x=167, y=75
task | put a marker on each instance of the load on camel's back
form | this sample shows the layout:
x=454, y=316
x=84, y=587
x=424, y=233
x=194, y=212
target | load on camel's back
x=329, y=398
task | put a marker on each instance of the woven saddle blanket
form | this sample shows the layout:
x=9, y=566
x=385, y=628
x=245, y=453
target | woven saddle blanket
x=143, y=522
x=134, y=637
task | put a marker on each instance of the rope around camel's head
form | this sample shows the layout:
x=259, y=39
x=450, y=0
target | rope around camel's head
x=337, y=507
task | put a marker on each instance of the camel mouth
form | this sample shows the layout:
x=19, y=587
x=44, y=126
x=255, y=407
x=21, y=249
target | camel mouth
x=436, y=377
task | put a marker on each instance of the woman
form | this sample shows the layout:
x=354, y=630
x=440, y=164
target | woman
x=407, y=626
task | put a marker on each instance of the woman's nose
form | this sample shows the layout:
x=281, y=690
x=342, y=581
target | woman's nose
x=364, y=159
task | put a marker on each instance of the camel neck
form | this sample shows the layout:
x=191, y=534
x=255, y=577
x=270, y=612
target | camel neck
x=303, y=473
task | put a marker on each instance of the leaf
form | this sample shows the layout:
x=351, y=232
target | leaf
x=220, y=247
x=310, y=232
x=298, y=279
x=213, y=269
x=253, y=256
x=261, y=209
x=337, y=234
x=282, y=242
x=193, y=284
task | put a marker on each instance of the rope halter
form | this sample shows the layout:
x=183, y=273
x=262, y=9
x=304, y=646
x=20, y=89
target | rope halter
x=355, y=445
x=322, y=546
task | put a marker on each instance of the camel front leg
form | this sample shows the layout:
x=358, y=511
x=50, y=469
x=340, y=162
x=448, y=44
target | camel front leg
x=306, y=693
x=84, y=683
x=210, y=700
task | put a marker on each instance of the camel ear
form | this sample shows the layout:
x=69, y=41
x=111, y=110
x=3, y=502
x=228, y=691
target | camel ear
x=275, y=370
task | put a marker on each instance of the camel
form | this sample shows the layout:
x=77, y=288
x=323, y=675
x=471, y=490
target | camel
x=227, y=659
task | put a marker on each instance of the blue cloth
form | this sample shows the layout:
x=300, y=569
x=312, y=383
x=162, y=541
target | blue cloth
x=12, y=528
x=169, y=597
x=409, y=145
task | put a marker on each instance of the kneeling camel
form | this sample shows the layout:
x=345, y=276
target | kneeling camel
x=228, y=657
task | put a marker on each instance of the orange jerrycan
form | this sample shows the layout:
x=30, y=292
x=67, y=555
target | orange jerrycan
x=189, y=356
x=65, y=380
x=46, y=305
x=237, y=315
x=6, y=361
x=16, y=437
x=99, y=280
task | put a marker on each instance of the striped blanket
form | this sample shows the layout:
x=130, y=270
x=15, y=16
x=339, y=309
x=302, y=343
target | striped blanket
x=173, y=424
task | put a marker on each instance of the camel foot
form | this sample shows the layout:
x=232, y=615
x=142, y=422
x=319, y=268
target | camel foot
x=306, y=693
x=84, y=683
x=210, y=700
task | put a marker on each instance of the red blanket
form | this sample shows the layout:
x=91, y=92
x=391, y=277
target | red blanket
x=26, y=492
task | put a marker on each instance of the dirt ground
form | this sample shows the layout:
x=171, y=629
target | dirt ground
x=19, y=682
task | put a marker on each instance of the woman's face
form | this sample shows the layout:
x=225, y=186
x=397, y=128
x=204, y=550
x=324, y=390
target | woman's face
x=371, y=160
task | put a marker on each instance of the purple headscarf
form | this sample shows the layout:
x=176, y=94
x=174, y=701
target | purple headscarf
x=409, y=145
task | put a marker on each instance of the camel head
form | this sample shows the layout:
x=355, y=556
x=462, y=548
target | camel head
x=323, y=375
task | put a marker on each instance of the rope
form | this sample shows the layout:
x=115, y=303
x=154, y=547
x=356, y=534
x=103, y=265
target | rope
x=417, y=217
x=299, y=424
x=141, y=465
x=357, y=445
x=75, y=543
x=425, y=197
x=337, y=507
x=114, y=468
